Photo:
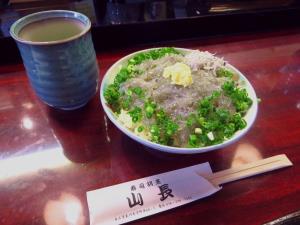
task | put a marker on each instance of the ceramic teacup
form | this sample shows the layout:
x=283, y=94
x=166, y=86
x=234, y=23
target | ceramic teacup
x=63, y=72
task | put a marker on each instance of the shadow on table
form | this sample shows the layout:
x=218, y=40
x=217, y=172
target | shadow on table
x=152, y=161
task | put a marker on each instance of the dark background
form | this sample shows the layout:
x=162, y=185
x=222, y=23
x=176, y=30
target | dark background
x=119, y=23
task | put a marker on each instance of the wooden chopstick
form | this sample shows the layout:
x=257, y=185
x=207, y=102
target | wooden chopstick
x=250, y=169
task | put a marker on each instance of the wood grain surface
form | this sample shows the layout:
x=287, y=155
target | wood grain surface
x=49, y=158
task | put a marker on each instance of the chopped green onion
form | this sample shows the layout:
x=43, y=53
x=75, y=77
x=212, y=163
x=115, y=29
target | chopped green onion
x=136, y=114
x=191, y=120
x=140, y=129
x=193, y=140
x=222, y=72
x=149, y=111
x=112, y=94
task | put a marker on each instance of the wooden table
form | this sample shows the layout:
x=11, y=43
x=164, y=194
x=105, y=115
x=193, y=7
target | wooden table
x=49, y=159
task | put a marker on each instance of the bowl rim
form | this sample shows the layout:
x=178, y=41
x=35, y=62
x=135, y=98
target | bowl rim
x=171, y=149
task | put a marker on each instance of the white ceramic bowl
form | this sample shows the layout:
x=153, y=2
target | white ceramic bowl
x=249, y=117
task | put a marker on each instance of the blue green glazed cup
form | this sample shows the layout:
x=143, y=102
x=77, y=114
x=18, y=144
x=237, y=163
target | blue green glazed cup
x=63, y=73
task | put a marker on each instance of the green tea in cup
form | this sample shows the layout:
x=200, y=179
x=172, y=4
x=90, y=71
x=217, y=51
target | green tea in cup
x=53, y=29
